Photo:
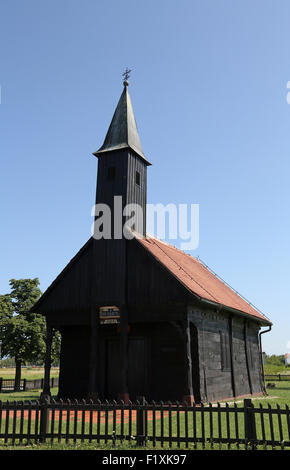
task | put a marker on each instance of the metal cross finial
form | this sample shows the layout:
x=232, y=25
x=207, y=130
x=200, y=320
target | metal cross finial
x=126, y=75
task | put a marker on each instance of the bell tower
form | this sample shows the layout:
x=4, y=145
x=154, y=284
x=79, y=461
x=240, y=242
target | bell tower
x=122, y=166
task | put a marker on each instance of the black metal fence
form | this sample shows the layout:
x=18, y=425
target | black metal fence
x=279, y=377
x=155, y=424
x=8, y=385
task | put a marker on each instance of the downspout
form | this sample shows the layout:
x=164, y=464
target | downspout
x=261, y=355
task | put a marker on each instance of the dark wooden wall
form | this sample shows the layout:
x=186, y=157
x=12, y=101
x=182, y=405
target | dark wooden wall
x=74, y=362
x=229, y=364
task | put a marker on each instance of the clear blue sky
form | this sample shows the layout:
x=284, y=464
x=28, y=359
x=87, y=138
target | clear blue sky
x=209, y=93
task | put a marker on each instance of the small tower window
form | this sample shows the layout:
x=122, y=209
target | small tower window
x=138, y=178
x=111, y=173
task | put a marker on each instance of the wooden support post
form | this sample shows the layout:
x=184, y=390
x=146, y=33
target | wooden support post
x=44, y=418
x=247, y=355
x=188, y=395
x=250, y=423
x=46, y=382
x=232, y=356
x=140, y=421
x=93, y=388
x=124, y=393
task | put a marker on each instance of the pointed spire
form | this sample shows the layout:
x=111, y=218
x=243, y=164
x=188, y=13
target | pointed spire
x=123, y=131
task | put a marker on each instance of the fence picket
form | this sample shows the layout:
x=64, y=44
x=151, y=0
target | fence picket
x=210, y=425
x=68, y=410
x=194, y=425
x=90, y=420
x=280, y=425
x=178, y=423
x=288, y=420
x=262, y=424
x=52, y=420
x=154, y=423
x=228, y=425
x=60, y=412
x=236, y=425
x=219, y=424
x=75, y=421
x=271, y=425
x=29, y=422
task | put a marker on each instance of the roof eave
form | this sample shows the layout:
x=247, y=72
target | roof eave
x=236, y=311
x=115, y=148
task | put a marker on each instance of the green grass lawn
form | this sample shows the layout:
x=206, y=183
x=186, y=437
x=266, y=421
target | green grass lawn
x=277, y=396
x=28, y=373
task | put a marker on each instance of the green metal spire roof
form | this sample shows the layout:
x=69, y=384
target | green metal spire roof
x=123, y=131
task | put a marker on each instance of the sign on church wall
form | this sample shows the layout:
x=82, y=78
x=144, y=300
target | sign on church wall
x=109, y=315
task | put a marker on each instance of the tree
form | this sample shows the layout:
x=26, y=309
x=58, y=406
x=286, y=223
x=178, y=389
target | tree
x=22, y=332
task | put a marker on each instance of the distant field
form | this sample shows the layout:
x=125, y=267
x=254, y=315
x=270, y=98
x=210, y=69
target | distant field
x=273, y=369
x=28, y=373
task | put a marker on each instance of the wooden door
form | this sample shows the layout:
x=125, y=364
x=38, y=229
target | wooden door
x=137, y=368
x=113, y=366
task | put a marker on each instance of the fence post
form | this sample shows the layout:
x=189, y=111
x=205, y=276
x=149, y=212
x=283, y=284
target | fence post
x=44, y=418
x=24, y=385
x=1, y=380
x=140, y=421
x=250, y=423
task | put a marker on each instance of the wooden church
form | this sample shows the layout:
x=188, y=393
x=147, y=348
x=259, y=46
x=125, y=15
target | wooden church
x=139, y=317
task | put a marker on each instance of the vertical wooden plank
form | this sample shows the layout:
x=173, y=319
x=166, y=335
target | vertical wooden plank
x=14, y=414
x=228, y=424
x=247, y=355
x=99, y=411
x=21, y=426
x=237, y=425
x=114, y=422
x=219, y=424
x=178, y=423
x=90, y=420
x=154, y=423
x=271, y=425
x=1, y=410
x=288, y=420
x=170, y=424
x=141, y=411
x=231, y=343
x=29, y=422
x=68, y=409
x=60, y=412
x=280, y=426
x=186, y=424
x=75, y=421
x=262, y=423
x=210, y=425
x=107, y=421
x=6, y=422
x=146, y=420
x=162, y=423
x=52, y=423
x=194, y=425
x=122, y=420
x=130, y=419
x=202, y=426
x=250, y=423
x=83, y=406
x=36, y=422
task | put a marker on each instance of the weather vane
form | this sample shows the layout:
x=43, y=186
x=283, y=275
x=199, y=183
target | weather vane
x=126, y=75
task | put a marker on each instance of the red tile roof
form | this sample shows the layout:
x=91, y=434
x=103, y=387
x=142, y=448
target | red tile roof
x=197, y=277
